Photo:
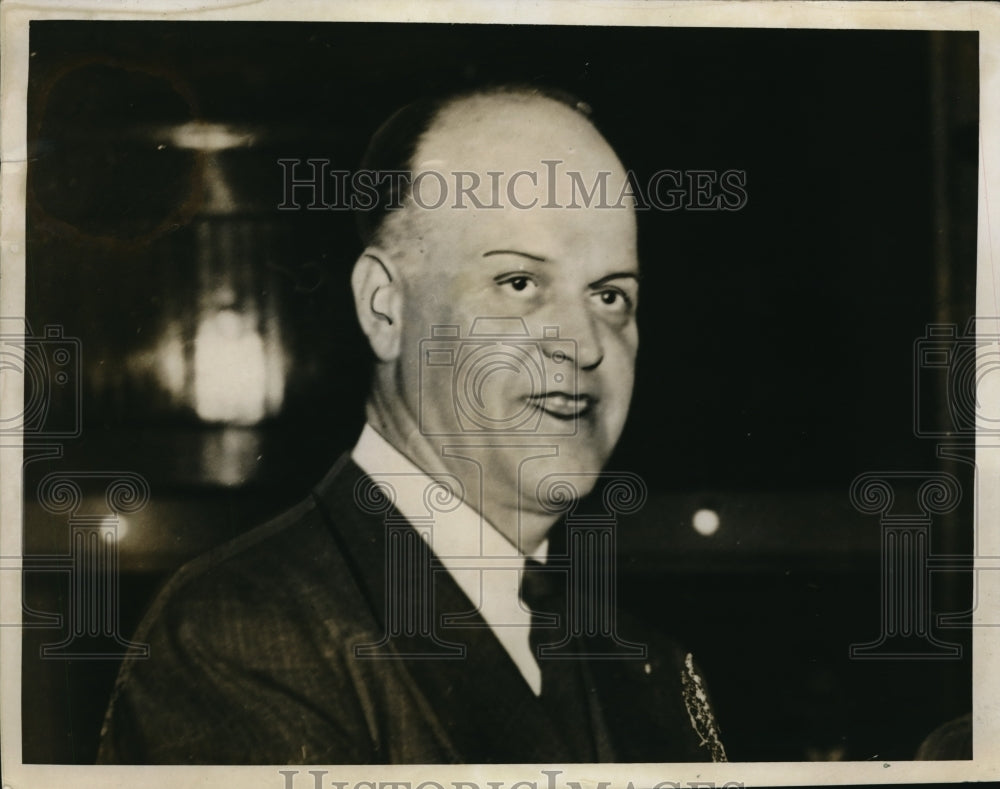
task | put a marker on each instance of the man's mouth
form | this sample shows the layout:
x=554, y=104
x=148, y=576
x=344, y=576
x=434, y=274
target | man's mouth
x=562, y=405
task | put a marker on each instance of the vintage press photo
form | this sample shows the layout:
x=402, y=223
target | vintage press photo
x=447, y=396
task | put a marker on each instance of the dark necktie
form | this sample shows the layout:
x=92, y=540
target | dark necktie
x=563, y=691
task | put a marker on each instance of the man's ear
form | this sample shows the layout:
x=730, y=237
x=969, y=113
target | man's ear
x=378, y=299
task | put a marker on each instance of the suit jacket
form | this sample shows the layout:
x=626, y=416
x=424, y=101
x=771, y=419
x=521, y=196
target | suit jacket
x=252, y=661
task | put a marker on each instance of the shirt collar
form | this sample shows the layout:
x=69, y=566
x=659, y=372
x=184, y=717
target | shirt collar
x=485, y=565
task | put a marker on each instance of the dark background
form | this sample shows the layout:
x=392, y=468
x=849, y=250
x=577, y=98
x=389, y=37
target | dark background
x=776, y=361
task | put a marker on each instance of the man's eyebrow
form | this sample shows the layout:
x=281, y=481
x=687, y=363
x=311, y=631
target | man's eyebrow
x=536, y=258
x=617, y=275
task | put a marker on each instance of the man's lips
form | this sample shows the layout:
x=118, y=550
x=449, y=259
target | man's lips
x=563, y=405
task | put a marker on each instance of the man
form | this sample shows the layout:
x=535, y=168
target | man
x=415, y=608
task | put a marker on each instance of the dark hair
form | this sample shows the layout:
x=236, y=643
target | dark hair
x=394, y=144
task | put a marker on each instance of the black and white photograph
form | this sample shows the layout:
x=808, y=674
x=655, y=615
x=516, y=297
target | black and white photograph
x=391, y=390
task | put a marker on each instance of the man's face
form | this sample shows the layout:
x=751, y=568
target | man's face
x=570, y=274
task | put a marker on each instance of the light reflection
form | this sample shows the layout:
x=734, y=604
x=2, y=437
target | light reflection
x=706, y=522
x=230, y=370
x=114, y=527
x=170, y=363
x=202, y=136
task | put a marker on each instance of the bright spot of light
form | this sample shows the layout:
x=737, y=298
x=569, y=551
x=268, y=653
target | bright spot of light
x=114, y=526
x=705, y=522
x=203, y=136
x=230, y=370
x=170, y=361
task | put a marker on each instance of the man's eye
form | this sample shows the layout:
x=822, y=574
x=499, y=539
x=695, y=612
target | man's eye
x=518, y=284
x=614, y=300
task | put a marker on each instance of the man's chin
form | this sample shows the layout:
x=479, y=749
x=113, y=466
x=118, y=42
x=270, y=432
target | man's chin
x=554, y=482
x=540, y=473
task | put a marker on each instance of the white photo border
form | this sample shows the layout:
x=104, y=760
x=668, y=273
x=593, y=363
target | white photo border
x=14, y=63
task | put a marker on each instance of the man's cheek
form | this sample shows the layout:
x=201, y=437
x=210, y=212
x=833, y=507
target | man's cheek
x=619, y=356
x=464, y=300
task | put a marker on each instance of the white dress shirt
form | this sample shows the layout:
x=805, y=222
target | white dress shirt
x=485, y=565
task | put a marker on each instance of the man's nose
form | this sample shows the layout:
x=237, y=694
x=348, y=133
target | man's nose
x=578, y=337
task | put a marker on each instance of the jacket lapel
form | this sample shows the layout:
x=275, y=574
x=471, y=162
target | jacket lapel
x=464, y=676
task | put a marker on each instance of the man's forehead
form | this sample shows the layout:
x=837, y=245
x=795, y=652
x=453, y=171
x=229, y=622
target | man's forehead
x=493, y=171
x=513, y=132
x=588, y=238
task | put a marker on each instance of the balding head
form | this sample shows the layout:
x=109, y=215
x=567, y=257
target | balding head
x=417, y=134
x=511, y=129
